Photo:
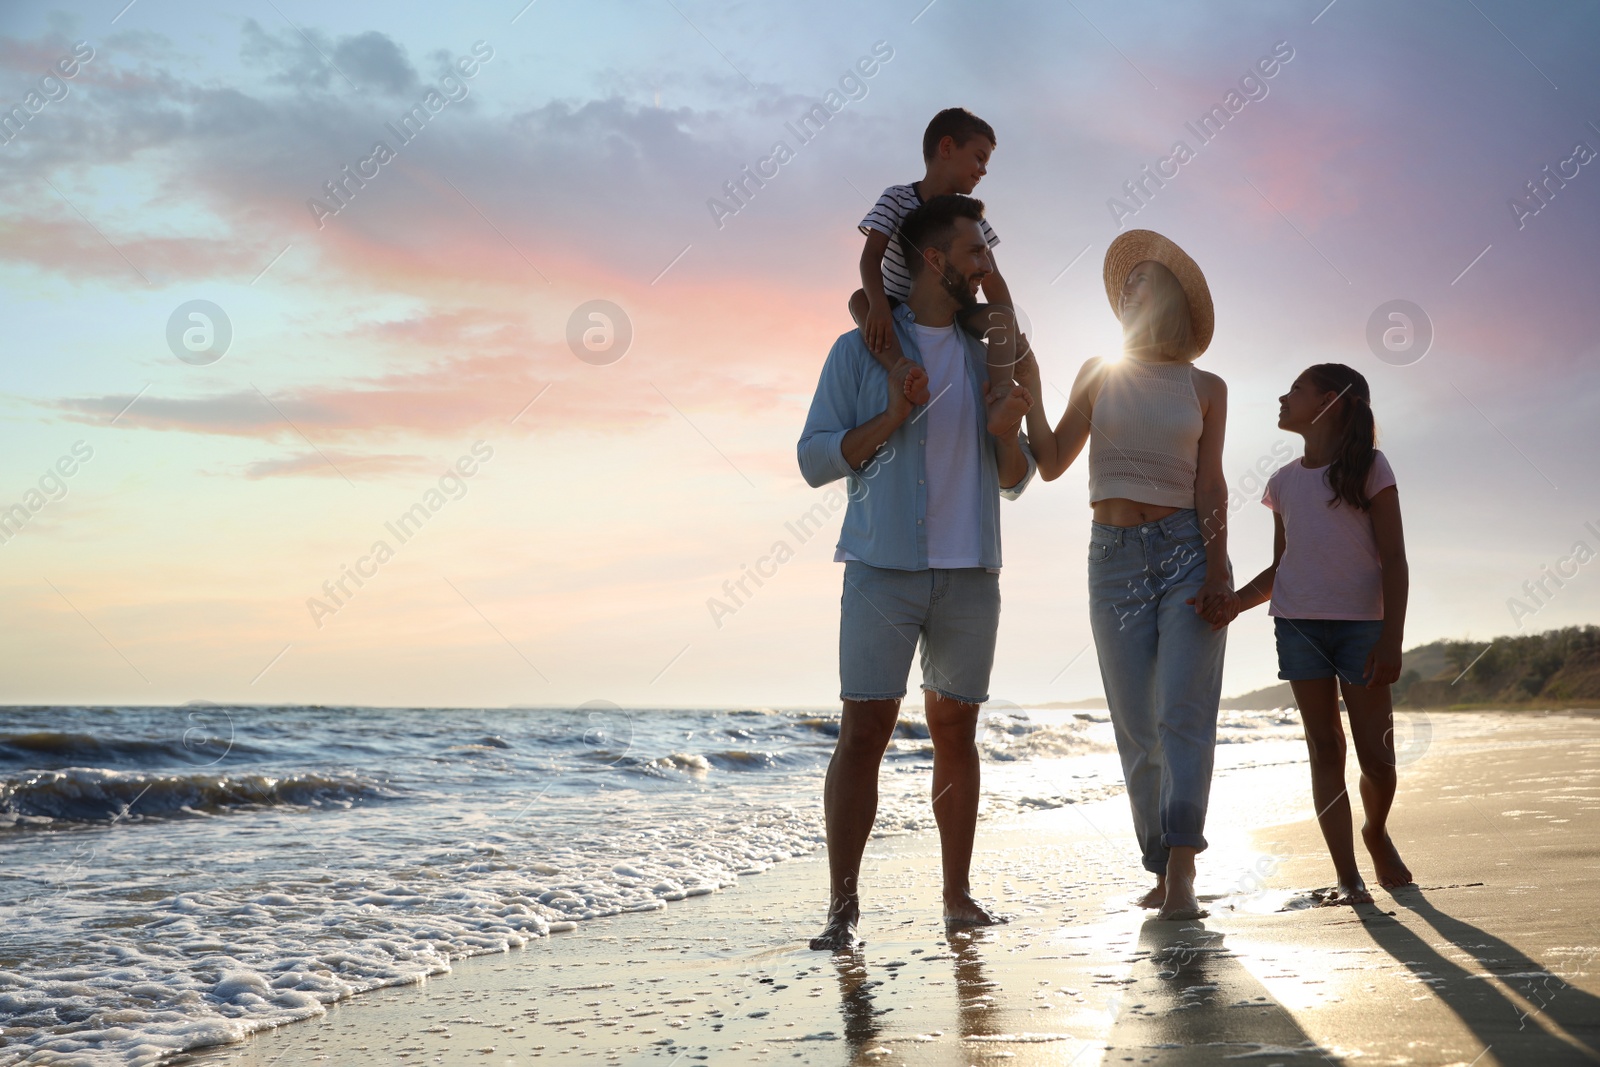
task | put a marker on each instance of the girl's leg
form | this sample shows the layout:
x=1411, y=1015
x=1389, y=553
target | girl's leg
x=1319, y=712
x=1372, y=730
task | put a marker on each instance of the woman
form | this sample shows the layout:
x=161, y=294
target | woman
x=1158, y=560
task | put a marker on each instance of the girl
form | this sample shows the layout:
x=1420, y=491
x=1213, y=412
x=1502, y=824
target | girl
x=1338, y=583
x=1154, y=426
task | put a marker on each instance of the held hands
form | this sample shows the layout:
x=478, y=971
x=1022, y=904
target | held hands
x=1216, y=603
x=1383, y=663
x=906, y=381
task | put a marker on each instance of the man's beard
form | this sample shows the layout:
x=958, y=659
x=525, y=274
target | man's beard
x=956, y=284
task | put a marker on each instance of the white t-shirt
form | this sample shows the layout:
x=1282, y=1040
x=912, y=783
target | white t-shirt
x=1330, y=567
x=953, y=515
x=892, y=207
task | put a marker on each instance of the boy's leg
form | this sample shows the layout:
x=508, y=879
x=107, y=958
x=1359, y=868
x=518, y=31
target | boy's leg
x=1372, y=730
x=1318, y=699
x=996, y=325
x=891, y=356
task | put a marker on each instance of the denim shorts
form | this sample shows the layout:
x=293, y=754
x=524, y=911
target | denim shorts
x=885, y=615
x=1324, y=648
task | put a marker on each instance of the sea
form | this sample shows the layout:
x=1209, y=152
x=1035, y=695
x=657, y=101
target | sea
x=178, y=877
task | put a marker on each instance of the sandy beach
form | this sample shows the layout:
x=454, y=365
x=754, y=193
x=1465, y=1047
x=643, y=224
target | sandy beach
x=1491, y=959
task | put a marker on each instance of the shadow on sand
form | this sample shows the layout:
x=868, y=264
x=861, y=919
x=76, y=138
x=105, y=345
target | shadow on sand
x=1525, y=1029
x=1190, y=1001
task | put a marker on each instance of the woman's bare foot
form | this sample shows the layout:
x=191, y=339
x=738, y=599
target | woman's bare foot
x=1348, y=891
x=840, y=933
x=961, y=909
x=1391, y=870
x=1181, y=904
x=1157, y=896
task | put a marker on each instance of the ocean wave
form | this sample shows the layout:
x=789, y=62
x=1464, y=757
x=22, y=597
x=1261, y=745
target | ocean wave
x=56, y=749
x=92, y=794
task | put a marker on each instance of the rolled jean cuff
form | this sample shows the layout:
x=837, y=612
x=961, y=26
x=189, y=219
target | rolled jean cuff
x=1194, y=841
x=957, y=697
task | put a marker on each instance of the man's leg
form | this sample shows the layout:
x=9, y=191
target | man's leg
x=957, y=656
x=880, y=619
x=850, y=805
x=952, y=726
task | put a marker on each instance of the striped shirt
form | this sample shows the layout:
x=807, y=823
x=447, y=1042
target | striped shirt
x=892, y=207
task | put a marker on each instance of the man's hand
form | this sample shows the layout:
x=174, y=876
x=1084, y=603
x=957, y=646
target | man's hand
x=1007, y=409
x=905, y=381
x=879, y=326
x=1383, y=663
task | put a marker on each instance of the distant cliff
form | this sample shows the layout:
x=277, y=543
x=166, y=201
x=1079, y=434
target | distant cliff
x=1554, y=669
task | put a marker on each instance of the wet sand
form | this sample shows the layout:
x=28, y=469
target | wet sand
x=1494, y=958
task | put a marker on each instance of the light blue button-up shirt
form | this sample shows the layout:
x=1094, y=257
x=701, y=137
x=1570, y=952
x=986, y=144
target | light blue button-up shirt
x=885, y=520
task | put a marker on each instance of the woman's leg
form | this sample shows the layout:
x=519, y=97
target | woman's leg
x=1188, y=678
x=1372, y=730
x=1122, y=616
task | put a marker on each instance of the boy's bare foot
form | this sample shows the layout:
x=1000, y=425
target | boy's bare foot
x=1386, y=862
x=1352, y=891
x=1157, y=896
x=840, y=933
x=916, y=387
x=961, y=909
x=1007, y=411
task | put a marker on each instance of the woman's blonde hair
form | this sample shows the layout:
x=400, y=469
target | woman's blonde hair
x=1166, y=331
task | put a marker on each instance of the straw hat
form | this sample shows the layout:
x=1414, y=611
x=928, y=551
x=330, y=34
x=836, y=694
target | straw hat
x=1134, y=247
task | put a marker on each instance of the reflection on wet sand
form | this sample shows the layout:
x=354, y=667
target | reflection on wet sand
x=1190, y=1001
x=978, y=1014
x=1557, y=1023
x=861, y=1027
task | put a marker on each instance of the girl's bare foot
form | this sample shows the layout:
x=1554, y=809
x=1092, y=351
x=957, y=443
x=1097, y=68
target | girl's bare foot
x=1157, y=896
x=1348, y=891
x=961, y=909
x=1386, y=862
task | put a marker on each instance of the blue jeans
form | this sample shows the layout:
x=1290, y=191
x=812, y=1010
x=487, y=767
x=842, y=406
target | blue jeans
x=1161, y=665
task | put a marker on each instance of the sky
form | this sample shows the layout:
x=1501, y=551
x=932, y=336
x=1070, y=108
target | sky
x=195, y=480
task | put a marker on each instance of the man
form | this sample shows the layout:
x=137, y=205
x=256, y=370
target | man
x=921, y=549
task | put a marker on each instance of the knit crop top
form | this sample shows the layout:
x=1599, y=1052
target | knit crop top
x=1144, y=436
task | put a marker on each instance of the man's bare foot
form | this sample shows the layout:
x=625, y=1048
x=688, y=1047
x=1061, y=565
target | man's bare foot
x=962, y=910
x=1352, y=891
x=1391, y=870
x=1006, y=412
x=840, y=933
x=1157, y=896
x=1181, y=903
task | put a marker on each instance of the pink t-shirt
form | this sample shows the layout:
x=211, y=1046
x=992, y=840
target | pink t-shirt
x=1330, y=567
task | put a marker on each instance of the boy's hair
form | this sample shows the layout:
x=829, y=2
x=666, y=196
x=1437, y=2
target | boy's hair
x=1358, y=433
x=933, y=225
x=956, y=123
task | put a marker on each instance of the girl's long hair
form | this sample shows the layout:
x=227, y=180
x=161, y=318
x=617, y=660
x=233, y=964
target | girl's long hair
x=1358, y=433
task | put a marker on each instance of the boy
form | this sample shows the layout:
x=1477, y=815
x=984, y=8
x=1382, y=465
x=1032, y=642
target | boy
x=955, y=149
